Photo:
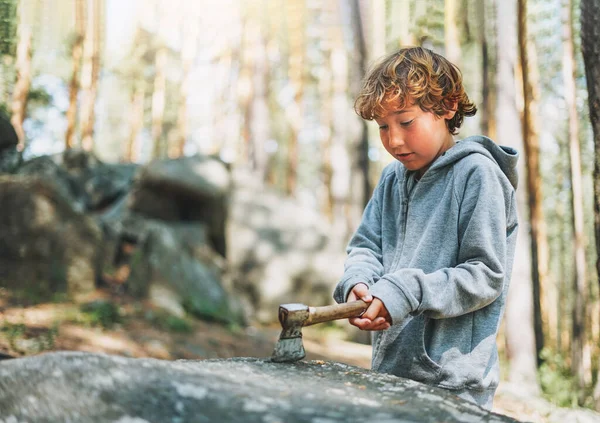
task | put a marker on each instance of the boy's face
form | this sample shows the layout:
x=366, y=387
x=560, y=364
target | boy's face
x=414, y=137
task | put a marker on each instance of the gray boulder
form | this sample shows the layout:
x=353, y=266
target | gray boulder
x=85, y=181
x=101, y=183
x=74, y=387
x=45, y=167
x=280, y=252
x=188, y=189
x=47, y=247
x=10, y=157
x=171, y=263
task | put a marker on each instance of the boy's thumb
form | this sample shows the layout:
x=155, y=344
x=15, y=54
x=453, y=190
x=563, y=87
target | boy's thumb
x=362, y=292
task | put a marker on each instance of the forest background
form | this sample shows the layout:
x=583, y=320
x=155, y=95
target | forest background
x=268, y=85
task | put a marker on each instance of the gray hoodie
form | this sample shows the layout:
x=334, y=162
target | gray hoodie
x=438, y=253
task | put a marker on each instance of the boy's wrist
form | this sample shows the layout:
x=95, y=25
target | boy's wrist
x=393, y=298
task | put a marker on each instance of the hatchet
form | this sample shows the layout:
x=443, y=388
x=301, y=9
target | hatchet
x=293, y=317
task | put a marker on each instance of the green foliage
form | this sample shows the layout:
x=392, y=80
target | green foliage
x=556, y=380
x=102, y=313
x=13, y=331
x=168, y=322
x=8, y=27
x=39, y=97
x=22, y=340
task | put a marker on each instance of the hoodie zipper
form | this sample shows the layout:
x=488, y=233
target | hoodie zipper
x=403, y=216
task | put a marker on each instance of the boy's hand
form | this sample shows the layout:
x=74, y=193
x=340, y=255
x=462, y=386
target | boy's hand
x=376, y=317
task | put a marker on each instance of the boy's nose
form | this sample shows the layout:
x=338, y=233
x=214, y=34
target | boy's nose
x=396, y=140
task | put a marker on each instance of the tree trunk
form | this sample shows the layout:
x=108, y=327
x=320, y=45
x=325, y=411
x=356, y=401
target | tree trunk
x=74, y=85
x=400, y=21
x=158, y=101
x=451, y=35
x=590, y=45
x=520, y=340
x=361, y=152
x=90, y=72
x=23, y=82
x=295, y=14
x=484, y=10
x=533, y=179
x=579, y=366
x=136, y=120
x=188, y=54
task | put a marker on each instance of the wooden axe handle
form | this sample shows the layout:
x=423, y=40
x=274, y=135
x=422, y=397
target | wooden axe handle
x=335, y=312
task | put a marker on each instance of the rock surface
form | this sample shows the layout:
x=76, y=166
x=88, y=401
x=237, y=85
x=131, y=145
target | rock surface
x=47, y=247
x=69, y=386
x=280, y=252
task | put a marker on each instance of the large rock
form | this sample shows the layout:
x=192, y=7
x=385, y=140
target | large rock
x=280, y=252
x=10, y=157
x=59, y=387
x=46, y=246
x=172, y=263
x=102, y=183
x=85, y=181
x=189, y=189
x=45, y=167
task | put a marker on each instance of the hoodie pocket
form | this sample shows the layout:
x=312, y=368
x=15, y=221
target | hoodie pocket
x=424, y=356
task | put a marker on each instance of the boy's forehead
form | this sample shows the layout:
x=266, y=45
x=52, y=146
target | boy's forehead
x=397, y=104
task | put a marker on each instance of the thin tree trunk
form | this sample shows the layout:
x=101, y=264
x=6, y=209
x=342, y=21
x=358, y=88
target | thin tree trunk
x=590, y=45
x=90, y=73
x=23, y=82
x=74, y=85
x=244, y=83
x=520, y=340
x=360, y=65
x=485, y=10
x=260, y=127
x=399, y=27
x=579, y=366
x=485, y=112
x=136, y=120
x=533, y=179
x=158, y=101
x=188, y=54
x=451, y=35
x=295, y=14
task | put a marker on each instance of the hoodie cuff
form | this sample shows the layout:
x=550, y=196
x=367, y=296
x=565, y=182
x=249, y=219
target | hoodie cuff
x=343, y=288
x=394, y=300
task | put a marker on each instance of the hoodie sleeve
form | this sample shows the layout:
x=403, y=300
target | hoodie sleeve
x=364, y=261
x=478, y=279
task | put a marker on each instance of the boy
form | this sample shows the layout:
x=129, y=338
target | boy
x=433, y=253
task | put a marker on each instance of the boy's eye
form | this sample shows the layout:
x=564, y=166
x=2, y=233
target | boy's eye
x=382, y=127
x=407, y=123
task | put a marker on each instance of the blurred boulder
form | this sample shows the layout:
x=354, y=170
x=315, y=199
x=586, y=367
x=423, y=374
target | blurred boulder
x=173, y=264
x=59, y=387
x=85, y=181
x=102, y=183
x=44, y=167
x=280, y=252
x=10, y=158
x=188, y=189
x=47, y=246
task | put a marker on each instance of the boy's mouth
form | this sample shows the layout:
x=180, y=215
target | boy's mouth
x=403, y=155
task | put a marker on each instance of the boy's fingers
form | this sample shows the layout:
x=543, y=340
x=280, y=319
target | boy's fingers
x=362, y=291
x=372, y=312
x=366, y=324
x=360, y=323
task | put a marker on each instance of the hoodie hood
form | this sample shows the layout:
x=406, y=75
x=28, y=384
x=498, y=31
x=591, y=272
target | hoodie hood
x=505, y=157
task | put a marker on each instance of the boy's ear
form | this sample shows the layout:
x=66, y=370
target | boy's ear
x=452, y=111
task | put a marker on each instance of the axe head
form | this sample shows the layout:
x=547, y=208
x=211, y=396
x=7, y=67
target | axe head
x=289, y=347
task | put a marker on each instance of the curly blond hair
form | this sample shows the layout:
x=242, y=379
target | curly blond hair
x=415, y=75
